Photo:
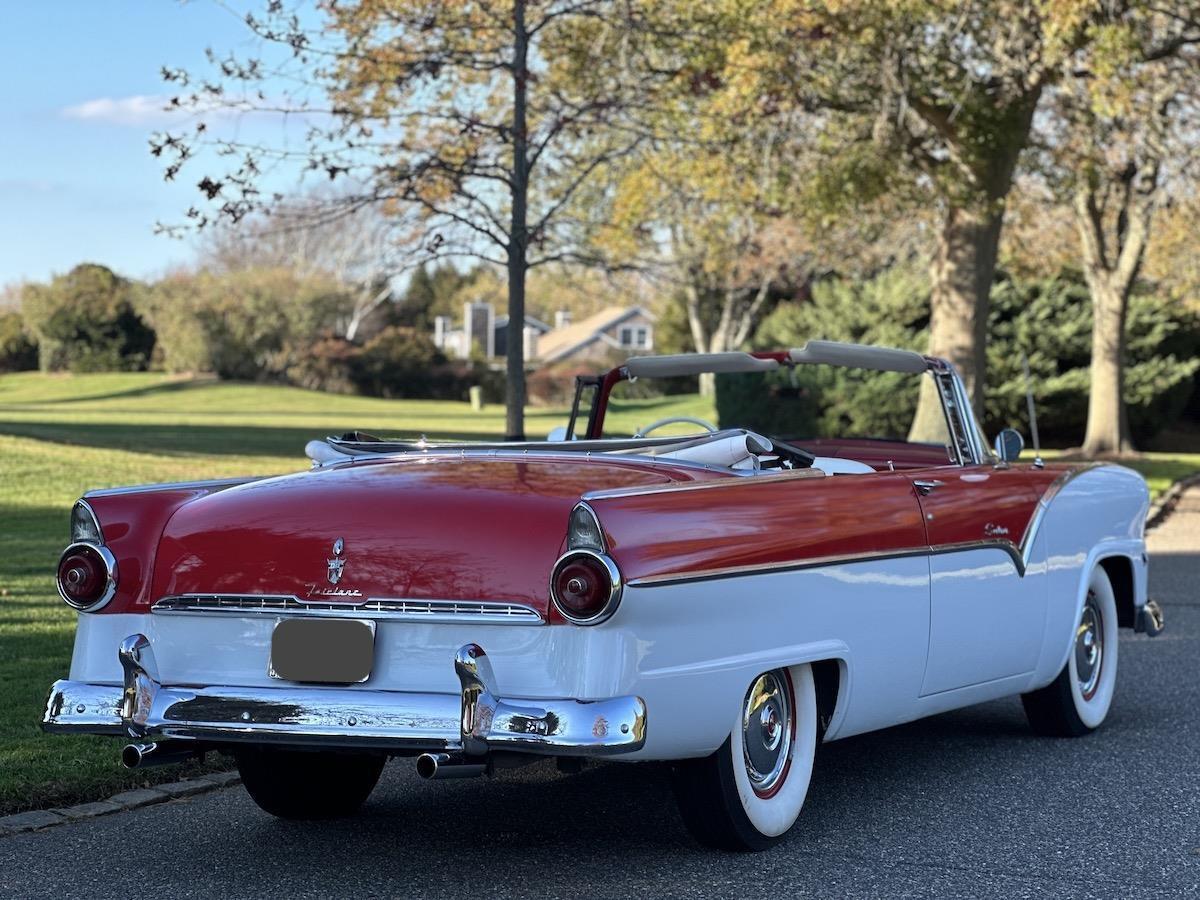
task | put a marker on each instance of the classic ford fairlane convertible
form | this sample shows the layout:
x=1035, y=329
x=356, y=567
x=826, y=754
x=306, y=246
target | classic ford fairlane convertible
x=725, y=600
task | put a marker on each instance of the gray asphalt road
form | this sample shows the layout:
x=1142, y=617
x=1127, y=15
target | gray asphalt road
x=965, y=804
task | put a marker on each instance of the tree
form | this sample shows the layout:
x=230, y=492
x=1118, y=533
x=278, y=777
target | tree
x=317, y=236
x=474, y=124
x=246, y=324
x=1124, y=133
x=87, y=321
x=934, y=102
x=18, y=351
x=697, y=220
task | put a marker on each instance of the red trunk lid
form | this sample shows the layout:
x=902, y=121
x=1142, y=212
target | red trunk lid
x=457, y=528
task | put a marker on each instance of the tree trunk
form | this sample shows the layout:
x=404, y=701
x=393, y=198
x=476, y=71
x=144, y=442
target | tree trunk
x=961, y=273
x=1107, y=421
x=514, y=427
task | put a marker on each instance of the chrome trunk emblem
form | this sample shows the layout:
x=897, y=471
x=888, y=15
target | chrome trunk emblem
x=337, y=564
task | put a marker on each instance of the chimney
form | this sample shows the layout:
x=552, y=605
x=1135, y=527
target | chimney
x=479, y=327
x=530, y=337
x=562, y=318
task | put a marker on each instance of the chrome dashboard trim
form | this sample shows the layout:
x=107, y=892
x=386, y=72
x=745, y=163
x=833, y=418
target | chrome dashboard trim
x=474, y=612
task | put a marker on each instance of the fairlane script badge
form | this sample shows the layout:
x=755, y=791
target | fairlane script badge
x=337, y=564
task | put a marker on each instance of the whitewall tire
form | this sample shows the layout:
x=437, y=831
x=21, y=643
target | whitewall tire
x=1078, y=700
x=748, y=794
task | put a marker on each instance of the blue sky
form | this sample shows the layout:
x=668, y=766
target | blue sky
x=79, y=91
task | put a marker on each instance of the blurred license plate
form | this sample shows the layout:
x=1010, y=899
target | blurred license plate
x=323, y=651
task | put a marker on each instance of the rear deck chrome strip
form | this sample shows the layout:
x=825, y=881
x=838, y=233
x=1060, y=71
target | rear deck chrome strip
x=475, y=612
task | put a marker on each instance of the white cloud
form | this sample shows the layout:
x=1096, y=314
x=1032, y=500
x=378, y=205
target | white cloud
x=139, y=109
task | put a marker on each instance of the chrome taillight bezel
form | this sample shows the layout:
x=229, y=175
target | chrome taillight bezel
x=110, y=567
x=616, y=587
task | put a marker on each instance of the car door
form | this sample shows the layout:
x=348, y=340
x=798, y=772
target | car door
x=987, y=613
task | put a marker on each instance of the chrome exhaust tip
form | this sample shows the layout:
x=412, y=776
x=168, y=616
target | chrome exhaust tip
x=164, y=753
x=443, y=765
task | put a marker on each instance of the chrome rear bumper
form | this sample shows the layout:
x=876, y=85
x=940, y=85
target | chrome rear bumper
x=475, y=721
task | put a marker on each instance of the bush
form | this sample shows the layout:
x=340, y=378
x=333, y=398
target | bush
x=251, y=324
x=402, y=362
x=1051, y=321
x=328, y=365
x=777, y=404
x=890, y=310
x=87, y=321
x=398, y=362
x=18, y=351
x=1048, y=319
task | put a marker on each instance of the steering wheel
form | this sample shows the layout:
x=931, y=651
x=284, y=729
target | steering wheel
x=671, y=420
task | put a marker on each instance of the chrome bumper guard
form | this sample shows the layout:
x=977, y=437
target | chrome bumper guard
x=1150, y=619
x=474, y=722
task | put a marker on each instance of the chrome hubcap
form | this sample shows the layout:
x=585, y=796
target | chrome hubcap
x=1089, y=648
x=767, y=731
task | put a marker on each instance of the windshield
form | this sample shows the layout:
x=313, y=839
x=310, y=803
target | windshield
x=829, y=411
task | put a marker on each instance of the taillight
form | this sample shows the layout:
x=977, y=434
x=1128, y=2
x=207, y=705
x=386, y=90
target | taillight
x=585, y=587
x=87, y=576
x=85, y=529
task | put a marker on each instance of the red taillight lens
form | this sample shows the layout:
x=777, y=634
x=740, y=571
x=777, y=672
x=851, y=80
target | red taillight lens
x=85, y=576
x=586, y=587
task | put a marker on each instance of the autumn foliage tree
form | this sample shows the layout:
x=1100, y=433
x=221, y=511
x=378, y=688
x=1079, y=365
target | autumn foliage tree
x=933, y=103
x=473, y=123
x=1123, y=123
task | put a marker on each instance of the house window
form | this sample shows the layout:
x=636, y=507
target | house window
x=636, y=337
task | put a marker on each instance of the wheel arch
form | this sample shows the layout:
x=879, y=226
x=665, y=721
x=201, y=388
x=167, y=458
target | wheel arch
x=1119, y=569
x=1108, y=559
x=828, y=679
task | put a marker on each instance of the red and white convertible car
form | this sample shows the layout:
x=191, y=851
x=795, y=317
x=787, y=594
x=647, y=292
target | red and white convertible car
x=724, y=600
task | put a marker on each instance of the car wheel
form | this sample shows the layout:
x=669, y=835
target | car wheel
x=748, y=794
x=1078, y=700
x=299, y=784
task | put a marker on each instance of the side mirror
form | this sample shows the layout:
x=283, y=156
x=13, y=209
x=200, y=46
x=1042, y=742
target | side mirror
x=1009, y=444
x=557, y=434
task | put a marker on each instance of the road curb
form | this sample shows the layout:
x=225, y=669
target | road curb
x=39, y=819
x=1163, y=507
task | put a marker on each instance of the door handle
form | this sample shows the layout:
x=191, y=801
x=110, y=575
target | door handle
x=925, y=488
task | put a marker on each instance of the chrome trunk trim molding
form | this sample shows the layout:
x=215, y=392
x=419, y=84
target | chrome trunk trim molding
x=475, y=612
x=212, y=484
x=771, y=476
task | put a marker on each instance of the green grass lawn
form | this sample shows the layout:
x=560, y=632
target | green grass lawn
x=62, y=435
